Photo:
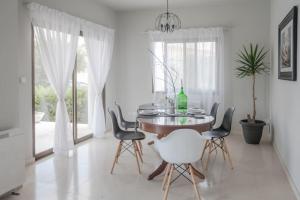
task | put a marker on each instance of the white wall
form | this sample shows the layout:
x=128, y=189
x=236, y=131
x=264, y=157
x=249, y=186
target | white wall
x=88, y=10
x=284, y=99
x=8, y=64
x=245, y=22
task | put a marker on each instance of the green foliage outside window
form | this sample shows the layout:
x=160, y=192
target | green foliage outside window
x=46, y=100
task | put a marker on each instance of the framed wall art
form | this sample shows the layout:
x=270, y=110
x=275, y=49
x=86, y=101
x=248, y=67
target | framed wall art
x=287, y=46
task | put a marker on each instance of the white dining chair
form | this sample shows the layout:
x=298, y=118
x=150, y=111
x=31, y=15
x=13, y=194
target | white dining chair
x=180, y=148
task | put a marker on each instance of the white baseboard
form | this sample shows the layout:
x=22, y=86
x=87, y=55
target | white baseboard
x=286, y=171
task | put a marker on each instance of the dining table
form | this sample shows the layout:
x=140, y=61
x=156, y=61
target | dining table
x=157, y=119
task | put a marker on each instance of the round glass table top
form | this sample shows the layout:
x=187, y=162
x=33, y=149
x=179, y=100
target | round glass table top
x=176, y=121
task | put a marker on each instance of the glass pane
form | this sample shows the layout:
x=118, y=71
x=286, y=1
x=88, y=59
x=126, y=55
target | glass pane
x=45, y=107
x=84, y=91
x=191, y=68
x=206, y=60
x=175, y=61
x=159, y=76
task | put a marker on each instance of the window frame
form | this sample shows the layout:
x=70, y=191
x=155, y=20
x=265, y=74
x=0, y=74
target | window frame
x=75, y=120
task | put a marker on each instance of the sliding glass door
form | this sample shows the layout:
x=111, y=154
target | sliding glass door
x=79, y=101
x=83, y=94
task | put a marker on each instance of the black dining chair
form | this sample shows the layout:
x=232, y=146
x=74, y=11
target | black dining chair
x=127, y=139
x=214, y=112
x=125, y=124
x=128, y=125
x=216, y=137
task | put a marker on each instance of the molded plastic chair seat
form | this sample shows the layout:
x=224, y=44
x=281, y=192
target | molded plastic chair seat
x=127, y=124
x=129, y=135
x=215, y=133
x=180, y=146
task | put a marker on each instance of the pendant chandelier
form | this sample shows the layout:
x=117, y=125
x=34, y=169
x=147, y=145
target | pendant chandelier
x=167, y=21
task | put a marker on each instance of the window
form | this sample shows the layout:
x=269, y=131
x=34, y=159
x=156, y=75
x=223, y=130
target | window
x=82, y=93
x=195, y=58
x=193, y=63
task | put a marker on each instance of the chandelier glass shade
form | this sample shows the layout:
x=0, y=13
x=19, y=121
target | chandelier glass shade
x=167, y=21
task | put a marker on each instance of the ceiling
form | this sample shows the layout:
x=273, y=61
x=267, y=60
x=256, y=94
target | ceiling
x=126, y=5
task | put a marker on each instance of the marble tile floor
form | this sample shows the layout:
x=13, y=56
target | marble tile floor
x=86, y=175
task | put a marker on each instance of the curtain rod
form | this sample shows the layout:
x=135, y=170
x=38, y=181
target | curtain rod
x=26, y=3
x=225, y=28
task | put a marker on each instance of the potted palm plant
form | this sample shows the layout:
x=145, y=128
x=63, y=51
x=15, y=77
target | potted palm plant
x=251, y=64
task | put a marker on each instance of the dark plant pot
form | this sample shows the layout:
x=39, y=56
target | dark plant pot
x=252, y=131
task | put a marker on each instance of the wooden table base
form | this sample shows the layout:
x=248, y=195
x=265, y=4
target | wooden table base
x=163, y=166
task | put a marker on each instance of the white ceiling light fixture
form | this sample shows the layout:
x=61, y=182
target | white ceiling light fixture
x=167, y=21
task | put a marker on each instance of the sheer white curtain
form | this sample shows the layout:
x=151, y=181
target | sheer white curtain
x=99, y=41
x=56, y=34
x=197, y=56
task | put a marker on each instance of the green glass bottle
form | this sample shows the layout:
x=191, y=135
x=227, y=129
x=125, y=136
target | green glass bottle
x=181, y=101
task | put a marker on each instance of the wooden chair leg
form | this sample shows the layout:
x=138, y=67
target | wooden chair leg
x=204, y=149
x=136, y=146
x=209, y=152
x=119, y=153
x=140, y=147
x=116, y=156
x=168, y=183
x=166, y=176
x=228, y=154
x=136, y=156
x=223, y=150
x=215, y=147
x=194, y=182
x=187, y=167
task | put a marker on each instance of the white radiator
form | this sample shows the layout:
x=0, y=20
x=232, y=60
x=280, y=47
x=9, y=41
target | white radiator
x=12, y=160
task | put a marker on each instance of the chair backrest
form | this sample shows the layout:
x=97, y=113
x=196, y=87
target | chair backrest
x=114, y=121
x=227, y=119
x=181, y=146
x=120, y=113
x=214, y=112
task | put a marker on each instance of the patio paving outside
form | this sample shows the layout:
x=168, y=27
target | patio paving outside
x=44, y=134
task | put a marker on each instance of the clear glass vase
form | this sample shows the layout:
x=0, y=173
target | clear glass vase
x=171, y=108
